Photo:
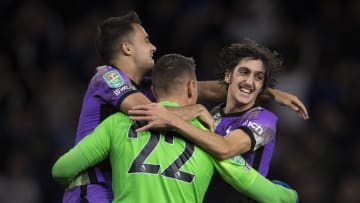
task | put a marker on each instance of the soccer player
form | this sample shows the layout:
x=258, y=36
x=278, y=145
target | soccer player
x=162, y=167
x=242, y=126
x=124, y=45
x=119, y=85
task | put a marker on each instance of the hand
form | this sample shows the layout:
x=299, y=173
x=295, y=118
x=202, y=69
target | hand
x=206, y=118
x=291, y=101
x=156, y=116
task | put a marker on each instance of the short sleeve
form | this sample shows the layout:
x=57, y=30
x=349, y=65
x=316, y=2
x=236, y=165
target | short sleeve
x=259, y=123
x=262, y=124
x=112, y=86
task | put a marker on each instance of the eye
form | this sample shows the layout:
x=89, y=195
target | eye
x=243, y=71
x=260, y=76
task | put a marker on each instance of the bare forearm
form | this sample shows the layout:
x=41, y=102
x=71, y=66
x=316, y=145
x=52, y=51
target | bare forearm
x=132, y=101
x=211, y=90
x=188, y=112
x=214, y=144
x=269, y=93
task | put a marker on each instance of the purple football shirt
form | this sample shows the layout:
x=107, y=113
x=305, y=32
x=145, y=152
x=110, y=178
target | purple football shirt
x=106, y=90
x=260, y=124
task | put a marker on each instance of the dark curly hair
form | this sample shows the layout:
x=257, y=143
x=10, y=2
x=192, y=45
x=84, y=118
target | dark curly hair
x=229, y=57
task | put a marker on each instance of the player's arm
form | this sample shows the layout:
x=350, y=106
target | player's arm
x=289, y=100
x=187, y=112
x=211, y=90
x=88, y=152
x=69, y=165
x=156, y=115
x=123, y=95
x=214, y=91
x=237, y=142
x=242, y=177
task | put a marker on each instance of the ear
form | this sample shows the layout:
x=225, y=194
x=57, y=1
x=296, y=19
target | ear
x=127, y=48
x=191, y=88
x=227, y=76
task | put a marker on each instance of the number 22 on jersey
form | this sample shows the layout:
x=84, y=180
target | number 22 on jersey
x=173, y=171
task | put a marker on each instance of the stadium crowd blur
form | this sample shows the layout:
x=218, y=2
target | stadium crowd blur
x=48, y=54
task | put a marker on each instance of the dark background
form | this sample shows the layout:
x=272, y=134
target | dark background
x=47, y=56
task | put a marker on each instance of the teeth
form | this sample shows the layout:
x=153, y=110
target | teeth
x=245, y=90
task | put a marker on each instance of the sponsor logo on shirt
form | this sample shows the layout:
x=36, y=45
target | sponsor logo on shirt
x=239, y=160
x=113, y=79
x=123, y=88
x=256, y=127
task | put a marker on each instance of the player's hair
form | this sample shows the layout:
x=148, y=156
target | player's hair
x=112, y=31
x=171, y=72
x=230, y=56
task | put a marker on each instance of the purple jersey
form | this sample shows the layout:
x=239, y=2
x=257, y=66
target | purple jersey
x=259, y=124
x=106, y=90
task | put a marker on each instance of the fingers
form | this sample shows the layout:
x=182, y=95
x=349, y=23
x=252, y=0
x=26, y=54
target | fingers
x=139, y=118
x=301, y=107
x=145, y=106
x=137, y=112
x=212, y=129
x=143, y=128
x=302, y=113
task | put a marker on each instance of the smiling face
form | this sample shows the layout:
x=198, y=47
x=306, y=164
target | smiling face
x=143, y=48
x=245, y=83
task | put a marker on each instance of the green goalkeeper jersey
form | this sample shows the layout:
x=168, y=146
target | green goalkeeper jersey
x=160, y=167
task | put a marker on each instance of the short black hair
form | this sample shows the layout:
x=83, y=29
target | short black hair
x=230, y=56
x=171, y=71
x=111, y=31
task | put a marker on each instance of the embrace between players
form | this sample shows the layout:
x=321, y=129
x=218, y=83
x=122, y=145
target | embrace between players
x=168, y=151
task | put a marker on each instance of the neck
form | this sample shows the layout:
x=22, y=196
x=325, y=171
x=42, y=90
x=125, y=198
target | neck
x=176, y=99
x=233, y=108
x=130, y=70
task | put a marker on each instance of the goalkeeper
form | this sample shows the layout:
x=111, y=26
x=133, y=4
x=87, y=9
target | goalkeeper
x=162, y=167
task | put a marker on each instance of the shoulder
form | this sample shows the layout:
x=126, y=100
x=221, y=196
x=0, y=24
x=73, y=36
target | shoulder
x=117, y=117
x=261, y=112
x=109, y=76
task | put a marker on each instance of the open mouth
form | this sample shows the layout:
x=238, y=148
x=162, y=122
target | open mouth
x=246, y=90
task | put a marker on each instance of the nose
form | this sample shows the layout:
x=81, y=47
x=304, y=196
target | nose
x=250, y=79
x=153, y=48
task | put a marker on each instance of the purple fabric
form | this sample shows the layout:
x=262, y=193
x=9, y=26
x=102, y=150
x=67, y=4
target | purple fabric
x=106, y=90
x=258, y=120
x=95, y=193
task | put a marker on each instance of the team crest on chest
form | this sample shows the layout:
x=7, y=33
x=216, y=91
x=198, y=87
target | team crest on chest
x=113, y=79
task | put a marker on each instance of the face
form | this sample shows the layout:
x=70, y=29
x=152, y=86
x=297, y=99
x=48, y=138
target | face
x=245, y=84
x=143, y=48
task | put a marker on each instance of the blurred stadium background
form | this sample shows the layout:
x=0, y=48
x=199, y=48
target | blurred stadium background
x=47, y=56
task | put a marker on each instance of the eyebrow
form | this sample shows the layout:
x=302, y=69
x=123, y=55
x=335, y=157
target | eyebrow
x=245, y=67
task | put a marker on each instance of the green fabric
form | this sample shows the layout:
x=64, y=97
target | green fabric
x=69, y=165
x=163, y=168
x=249, y=182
